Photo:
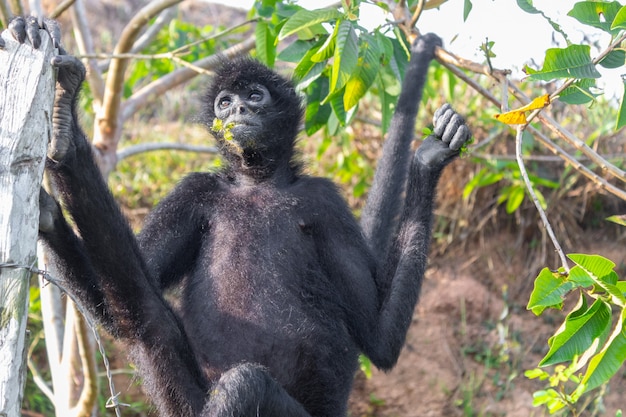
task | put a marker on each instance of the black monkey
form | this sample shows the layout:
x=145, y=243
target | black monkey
x=280, y=288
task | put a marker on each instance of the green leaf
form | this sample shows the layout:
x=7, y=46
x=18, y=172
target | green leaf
x=303, y=19
x=620, y=19
x=484, y=178
x=306, y=64
x=579, y=331
x=610, y=359
x=597, y=265
x=621, y=114
x=600, y=270
x=327, y=49
x=265, y=49
x=597, y=14
x=548, y=291
x=579, y=92
x=515, y=198
x=467, y=8
x=362, y=79
x=619, y=219
x=571, y=62
x=296, y=51
x=615, y=59
x=346, y=56
x=316, y=114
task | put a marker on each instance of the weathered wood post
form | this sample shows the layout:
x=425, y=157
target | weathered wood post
x=26, y=99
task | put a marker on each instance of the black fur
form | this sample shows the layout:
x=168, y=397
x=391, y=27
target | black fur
x=279, y=288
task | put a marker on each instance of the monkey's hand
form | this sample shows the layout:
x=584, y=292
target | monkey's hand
x=49, y=212
x=426, y=43
x=449, y=135
x=70, y=76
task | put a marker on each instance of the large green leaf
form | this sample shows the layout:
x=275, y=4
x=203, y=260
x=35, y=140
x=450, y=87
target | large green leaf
x=571, y=62
x=265, y=49
x=316, y=114
x=362, y=79
x=610, y=359
x=327, y=49
x=548, y=291
x=306, y=64
x=615, y=59
x=346, y=56
x=597, y=14
x=579, y=92
x=600, y=270
x=620, y=19
x=295, y=51
x=580, y=330
x=304, y=19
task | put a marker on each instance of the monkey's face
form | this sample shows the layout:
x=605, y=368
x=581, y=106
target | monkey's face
x=241, y=116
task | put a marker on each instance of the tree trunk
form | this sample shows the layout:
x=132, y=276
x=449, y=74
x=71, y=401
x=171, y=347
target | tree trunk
x=26, y=98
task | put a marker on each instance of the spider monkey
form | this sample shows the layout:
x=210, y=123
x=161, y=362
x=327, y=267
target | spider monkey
x=280, y=288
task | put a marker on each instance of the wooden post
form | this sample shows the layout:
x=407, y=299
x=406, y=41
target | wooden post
x=26, y=98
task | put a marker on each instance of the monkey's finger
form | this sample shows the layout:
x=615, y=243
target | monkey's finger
x=442, y=122
x=441, y=110
x=461, y=136
x=32, y=30
x=64, y=61
x=52, y=27
x=17, y=28
x=451, y=128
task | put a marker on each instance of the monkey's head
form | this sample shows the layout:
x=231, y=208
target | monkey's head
x=253, y=112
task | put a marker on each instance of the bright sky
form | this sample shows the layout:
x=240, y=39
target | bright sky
x=520, y=38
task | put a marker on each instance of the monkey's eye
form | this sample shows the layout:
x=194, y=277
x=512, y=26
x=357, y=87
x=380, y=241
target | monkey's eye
x=255, y=95
x=224, y=103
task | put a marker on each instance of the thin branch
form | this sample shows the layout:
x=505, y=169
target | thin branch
x=531, y=190
x=151, y=33
x=37, y=377
x=88, y=393
x=109, y=117
x=417, y=13
x=175, y=78
x=61, y=8
x=151, y=147
x=85, y=44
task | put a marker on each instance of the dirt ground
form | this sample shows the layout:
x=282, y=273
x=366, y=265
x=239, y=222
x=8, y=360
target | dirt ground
x=468, y=347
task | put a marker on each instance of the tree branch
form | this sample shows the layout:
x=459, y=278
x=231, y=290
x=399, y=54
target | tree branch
x=109, y=117
x=85, y=45
x=175, y=78
x=66, y=4
x=150, y=147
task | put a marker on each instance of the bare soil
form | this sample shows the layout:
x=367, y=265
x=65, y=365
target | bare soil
x=468, y=347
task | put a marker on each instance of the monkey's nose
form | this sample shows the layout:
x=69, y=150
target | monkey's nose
x=241, y=110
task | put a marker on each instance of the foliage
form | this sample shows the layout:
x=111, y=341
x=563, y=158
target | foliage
x=588, y=337
x=337, y=61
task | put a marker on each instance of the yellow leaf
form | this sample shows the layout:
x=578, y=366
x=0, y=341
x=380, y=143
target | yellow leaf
x=513, y=117
x=518, y=116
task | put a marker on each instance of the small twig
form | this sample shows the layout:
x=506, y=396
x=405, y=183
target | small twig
x=531, y=191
